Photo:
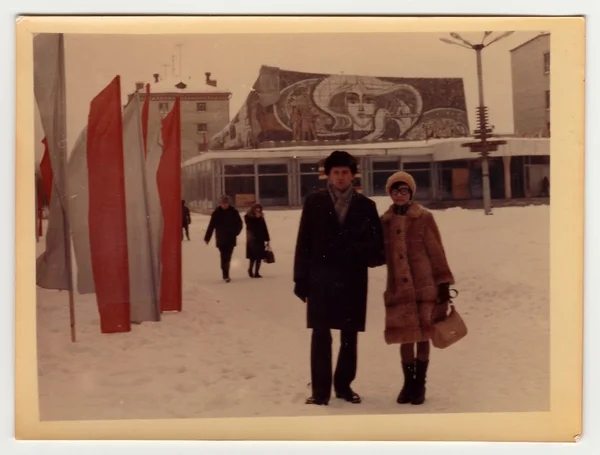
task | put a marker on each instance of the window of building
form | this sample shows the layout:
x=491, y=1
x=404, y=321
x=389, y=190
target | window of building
x=242, y=186
x=239, y=169
x=240, y=183
x=390, y=165
x=548, y=127
x=421, y=172
x=163, y=107
x=273, y=184
x=202, y=147
x=538, y=159
x=273, y=168
x=547, y=99
x=382, y=170
x=309, y=168
x=201, y=127
x=201, y=107
x=309, y=179
x=547, y=62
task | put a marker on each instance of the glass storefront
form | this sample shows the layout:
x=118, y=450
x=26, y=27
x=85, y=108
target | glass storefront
x=382, y=170
x=239, y=183
x=309, y=179
x=421, y=172
x=273, y=184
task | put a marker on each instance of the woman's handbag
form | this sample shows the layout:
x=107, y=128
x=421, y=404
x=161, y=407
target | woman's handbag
x=269, y=256
x=450, y=330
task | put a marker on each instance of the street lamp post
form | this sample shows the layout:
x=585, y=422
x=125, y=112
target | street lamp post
x=483, y=146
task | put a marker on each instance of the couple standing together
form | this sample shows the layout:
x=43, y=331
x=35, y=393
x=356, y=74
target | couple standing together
x=340, y=237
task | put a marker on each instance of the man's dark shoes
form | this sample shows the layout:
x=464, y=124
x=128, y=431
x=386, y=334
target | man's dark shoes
x=313, y=400
x=350, y=396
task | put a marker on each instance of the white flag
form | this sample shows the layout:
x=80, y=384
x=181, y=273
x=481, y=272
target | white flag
x=53, y=268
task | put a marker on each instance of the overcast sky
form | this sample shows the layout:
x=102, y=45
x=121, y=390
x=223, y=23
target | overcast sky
x=234, y=61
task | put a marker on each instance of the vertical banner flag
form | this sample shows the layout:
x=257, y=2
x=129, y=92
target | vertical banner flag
x=169, y=187
x=107, y=209
x=53, y=268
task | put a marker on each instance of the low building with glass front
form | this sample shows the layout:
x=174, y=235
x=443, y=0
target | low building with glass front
x=282, y=177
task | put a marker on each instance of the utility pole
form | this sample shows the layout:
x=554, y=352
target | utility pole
x=484, y=146
x=165, y=66
x=179, y=48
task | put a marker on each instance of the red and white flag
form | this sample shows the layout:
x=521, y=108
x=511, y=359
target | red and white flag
x=53, y=267
x=44, y=191
x=111, y=227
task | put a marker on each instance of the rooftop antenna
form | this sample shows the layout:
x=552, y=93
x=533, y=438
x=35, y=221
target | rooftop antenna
x=179, y=47
x=165, y=66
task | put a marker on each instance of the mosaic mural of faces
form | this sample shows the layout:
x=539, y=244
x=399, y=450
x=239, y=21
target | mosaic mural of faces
x=286, y=106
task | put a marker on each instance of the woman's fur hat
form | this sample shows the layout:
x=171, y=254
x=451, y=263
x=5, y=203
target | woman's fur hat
x=401, y=177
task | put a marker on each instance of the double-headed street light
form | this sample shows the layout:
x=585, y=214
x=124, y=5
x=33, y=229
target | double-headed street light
x=483, y=146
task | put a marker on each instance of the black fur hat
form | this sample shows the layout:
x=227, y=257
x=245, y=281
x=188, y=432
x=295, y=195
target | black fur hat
x=339, y=158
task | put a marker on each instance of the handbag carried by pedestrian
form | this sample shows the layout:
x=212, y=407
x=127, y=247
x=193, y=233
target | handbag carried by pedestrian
x=450, y=330
x=269, y=257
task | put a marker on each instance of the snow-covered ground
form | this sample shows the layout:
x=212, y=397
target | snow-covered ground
x=241, y=349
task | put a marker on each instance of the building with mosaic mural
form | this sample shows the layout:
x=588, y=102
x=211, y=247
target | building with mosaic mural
x=271, y=151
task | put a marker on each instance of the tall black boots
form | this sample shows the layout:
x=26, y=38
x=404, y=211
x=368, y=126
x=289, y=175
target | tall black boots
x=420, y=376
x=409, y=383
x=254, y=268
x=415, y=375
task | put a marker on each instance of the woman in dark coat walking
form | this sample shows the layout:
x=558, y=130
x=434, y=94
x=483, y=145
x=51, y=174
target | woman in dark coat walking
x=340, y=236
x=257, y=236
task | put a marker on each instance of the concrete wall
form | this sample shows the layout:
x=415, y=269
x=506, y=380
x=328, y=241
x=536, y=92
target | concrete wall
x=216, y=117
x=529, y=83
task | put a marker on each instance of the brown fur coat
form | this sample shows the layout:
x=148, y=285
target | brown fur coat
x=416, y=265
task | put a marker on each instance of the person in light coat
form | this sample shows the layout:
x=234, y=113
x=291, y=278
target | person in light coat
x=418, y=282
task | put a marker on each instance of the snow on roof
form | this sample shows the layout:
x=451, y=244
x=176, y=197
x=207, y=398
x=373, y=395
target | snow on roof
x=183, y=85
x=441, y=149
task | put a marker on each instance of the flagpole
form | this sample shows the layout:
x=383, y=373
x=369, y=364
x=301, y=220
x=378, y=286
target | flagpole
x=37, y=210
x=65, y=194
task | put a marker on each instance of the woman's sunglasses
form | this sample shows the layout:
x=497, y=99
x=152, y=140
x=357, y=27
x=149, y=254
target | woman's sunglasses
x=403, y=191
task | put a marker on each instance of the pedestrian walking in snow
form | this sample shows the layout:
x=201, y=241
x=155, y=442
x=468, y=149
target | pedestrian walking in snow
x=226, y=222
x=339, y=237
x=257, y=238
x=186, y=220
x=418, y=282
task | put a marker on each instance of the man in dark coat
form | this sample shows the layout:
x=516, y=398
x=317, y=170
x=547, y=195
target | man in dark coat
x=186, y=220
x=340, y=236
x=227, y=223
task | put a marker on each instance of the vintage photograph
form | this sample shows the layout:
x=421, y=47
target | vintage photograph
x=292, y=224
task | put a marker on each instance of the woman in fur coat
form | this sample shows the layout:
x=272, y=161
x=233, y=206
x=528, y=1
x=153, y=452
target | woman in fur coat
x=418, y=281
x=257, y=236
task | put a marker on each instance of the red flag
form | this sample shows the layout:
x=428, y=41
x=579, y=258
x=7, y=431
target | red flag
x=107, y=210
x=145, y=115
x=46, y=169
x=169, y=187
x=40, y=206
